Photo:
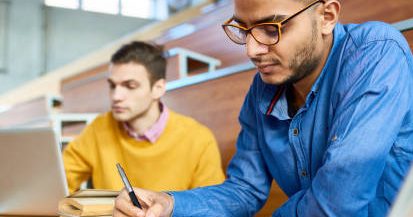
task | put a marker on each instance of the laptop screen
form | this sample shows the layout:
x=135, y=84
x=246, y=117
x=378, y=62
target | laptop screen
x=403, y=205
x=32, y=179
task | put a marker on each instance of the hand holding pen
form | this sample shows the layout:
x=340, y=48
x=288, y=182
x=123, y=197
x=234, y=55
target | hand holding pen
x=128, y=187
x=157, y=204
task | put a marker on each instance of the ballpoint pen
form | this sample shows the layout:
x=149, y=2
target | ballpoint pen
x=128, y=186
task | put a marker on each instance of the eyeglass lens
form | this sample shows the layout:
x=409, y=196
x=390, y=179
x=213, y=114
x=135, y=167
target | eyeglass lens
x=265, y=33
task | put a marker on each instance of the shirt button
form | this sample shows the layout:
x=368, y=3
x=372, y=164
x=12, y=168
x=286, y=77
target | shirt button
x=334, y=138
x=295, y=132
x=303, y=173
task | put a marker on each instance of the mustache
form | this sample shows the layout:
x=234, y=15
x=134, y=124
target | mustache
x=261, y=60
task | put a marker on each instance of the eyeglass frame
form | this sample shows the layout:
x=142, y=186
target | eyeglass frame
x=278, y=24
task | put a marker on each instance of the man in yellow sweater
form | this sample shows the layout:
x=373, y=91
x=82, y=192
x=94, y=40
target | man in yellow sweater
x=158, y=148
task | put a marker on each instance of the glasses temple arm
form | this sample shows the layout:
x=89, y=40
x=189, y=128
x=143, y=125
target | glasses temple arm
x=299, y=12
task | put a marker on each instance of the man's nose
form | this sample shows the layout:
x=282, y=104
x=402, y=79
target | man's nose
x=117, y=94
x=254, y=48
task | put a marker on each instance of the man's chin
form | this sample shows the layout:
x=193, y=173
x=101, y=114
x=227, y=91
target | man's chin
x=120, y=117
x=272, y=79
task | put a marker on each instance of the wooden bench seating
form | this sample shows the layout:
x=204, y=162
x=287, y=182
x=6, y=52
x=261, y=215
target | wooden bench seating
x=208, y=37
x=409, y=37
x=32, y=113
x=390, y=11
x=86, y=92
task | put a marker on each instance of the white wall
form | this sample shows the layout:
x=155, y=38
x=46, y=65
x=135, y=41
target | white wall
x=39, y=39
x=23, y=42
x=72, y=34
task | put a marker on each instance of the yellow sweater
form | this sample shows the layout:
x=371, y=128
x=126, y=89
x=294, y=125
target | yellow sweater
x=185, y=156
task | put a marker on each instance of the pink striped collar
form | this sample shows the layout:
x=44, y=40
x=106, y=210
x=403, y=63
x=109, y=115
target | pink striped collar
x=154, y=132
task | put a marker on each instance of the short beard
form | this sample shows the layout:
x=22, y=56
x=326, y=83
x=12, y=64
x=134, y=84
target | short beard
x=305, y=60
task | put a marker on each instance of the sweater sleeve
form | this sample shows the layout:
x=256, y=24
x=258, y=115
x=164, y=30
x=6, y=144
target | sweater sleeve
x=77, y=160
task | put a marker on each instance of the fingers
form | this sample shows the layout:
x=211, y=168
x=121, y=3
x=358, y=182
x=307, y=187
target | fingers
x=156, y=210
x=118, y=213
x=124, y=207
x=144, y=196
x=162, y=206
x=154, y=204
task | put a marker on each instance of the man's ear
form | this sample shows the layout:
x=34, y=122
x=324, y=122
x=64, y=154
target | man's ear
x=330, y=15
x=159, y=88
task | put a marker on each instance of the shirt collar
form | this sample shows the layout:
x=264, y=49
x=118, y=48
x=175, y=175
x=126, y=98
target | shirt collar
x=154, y=132
x=277, y=106
x=338, y=35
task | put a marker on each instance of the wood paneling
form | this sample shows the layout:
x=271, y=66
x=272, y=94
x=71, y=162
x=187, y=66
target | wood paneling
x=209, y=38
x=409, y=38
x=85, y=75
x=216, y=104
x=356, y=11
x=172, y=68
x=31, y=113
x=86, y=92
x=213, y=42
x=88, y=96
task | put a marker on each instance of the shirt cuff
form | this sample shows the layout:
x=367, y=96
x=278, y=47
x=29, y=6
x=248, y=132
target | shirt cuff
x=173, y=201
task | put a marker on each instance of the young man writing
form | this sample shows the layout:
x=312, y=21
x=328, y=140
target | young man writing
x=329, y=117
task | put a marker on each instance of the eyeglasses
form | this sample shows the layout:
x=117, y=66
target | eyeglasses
x=268, y=33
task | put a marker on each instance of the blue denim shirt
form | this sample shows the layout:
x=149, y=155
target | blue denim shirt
x=345, y=152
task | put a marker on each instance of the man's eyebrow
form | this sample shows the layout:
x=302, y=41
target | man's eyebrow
x=110, y=81
x=271, y=18
x=279, y=18
x=122, y=82
x=130, y=81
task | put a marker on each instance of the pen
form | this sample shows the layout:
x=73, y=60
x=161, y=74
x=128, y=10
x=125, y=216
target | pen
x=128, y=187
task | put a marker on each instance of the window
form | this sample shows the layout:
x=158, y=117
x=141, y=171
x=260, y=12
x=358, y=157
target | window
x=132, y=8
x=103, y=6
x=72, y=4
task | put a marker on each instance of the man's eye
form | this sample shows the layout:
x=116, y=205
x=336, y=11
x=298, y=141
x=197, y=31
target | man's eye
x=131, y=86
x=240, y=31
x=270, y=30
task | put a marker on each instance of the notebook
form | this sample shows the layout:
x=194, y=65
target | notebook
x=32, y=178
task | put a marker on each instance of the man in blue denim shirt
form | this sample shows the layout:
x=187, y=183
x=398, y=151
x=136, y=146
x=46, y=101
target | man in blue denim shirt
x=329, y=116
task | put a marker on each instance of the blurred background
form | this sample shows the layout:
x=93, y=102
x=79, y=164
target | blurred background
x=39, y=36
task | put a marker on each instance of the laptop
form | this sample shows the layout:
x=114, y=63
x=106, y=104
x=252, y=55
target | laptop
x=32, y=178
x=403, y=205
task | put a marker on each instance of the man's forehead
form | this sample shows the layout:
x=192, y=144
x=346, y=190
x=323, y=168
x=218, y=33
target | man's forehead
x=127, y=71
x=256, y=11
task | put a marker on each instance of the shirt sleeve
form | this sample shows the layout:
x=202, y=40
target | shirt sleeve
x=248, y=182
x=376, y=89
x=209, y=168
x=76, y=159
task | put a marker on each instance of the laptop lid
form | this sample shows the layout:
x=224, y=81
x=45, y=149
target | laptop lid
x=32, y=178
x=403, y=205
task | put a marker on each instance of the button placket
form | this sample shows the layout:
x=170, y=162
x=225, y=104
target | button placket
x=301, y=159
